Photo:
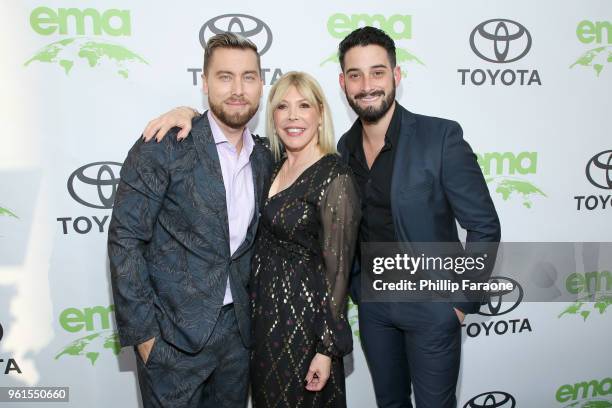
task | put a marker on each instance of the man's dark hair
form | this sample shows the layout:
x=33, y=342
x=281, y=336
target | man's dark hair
x=367, y=36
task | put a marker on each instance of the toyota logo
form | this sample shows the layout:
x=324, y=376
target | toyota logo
x=500, y=41
x=95, y=185
x=492, y=399
x=247, y=26
x=496, y=304
x=599, y=170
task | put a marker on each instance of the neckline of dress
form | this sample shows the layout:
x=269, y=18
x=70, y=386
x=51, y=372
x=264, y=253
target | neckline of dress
x=298, y=177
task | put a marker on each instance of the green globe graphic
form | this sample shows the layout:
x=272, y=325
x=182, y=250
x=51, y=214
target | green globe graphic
x=7, y=213
x=590, y=404
x=581, y=307
x=402, y=56
x=510, y=188
x=74, y=52
x=596, y=59
x=91, y=346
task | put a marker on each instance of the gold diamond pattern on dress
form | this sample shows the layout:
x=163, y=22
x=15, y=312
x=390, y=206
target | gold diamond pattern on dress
x=301, y=266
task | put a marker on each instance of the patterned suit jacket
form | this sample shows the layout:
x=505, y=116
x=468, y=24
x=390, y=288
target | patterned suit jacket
x=168, y=240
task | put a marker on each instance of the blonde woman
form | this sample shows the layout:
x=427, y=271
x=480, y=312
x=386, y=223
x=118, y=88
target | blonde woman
x=302, y=257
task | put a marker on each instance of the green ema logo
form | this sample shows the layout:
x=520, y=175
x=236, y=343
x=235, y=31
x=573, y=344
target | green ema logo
x=597, y=33
x=586, y=394
x=96, y=321
x=91, y=52
x=594, y=291
x=503, y=173
x=397, y=26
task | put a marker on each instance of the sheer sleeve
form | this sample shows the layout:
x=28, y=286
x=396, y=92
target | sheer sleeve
x=340, y=215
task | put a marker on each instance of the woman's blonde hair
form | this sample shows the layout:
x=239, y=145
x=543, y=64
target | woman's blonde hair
x=310, y=89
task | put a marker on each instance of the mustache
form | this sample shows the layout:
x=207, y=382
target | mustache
x=367, y=94
x=241, y=100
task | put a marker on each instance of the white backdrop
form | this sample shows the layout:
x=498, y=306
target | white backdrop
x=79, y=80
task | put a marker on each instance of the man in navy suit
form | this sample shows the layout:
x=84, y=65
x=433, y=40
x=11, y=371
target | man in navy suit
x=417, y=177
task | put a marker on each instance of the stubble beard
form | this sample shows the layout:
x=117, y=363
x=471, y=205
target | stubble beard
x=371, y=114
x=237, y=120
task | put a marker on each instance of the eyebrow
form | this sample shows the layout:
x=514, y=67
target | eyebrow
x=299, y=100
x=372, y=67
x=233, y=73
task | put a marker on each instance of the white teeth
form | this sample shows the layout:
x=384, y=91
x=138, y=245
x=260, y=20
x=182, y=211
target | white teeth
x=294, y=130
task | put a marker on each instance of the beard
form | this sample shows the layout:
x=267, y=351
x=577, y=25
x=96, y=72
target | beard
x=371, y=114
x=237, y=120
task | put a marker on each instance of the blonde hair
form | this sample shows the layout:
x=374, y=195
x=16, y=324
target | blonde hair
x=310, y=89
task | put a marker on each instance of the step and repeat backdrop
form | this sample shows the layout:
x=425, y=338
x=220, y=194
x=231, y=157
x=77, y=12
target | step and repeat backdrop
x=530, y=83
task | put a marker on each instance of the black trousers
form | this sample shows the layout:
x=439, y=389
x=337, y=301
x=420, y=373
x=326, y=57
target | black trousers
x=412, y=343
x=216, y=377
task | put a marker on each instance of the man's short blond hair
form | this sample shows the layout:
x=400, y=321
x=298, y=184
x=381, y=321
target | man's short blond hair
x=228, y=40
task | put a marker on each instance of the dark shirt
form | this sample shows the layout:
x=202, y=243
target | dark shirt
x=375, y=183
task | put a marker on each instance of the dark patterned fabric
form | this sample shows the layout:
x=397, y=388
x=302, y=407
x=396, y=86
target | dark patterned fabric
x=168, y=241
x=301, y=267
x=216, y=377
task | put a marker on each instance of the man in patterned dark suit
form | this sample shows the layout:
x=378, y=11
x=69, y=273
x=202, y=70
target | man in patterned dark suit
x=180, y=241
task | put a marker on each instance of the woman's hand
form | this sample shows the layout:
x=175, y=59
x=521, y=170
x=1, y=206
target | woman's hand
x=318, y=373
x=177, y=117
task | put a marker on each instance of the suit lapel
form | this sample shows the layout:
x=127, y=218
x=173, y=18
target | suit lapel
x=401, y=165
x=211, y=187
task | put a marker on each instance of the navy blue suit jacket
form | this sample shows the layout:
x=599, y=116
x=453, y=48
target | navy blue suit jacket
x=436, y=180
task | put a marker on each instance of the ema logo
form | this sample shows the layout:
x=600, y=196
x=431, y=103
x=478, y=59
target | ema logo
x=502, y=171
x=397, y=26
x=593, y=291
x=93, y=185
x=500, y=303
x=586, y=394
x=497, y=399
x=247, y=26
x=96, y=321
x=500, y=41
x=598, y=172
x=597, y=33
x=84, y=51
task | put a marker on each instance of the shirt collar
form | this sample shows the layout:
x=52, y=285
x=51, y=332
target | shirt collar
x=219, y=137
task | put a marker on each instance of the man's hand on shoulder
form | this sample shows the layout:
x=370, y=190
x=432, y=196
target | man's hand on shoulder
x=178, y=117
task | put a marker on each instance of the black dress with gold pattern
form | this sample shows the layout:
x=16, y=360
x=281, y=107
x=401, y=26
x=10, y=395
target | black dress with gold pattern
x=301, y=267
